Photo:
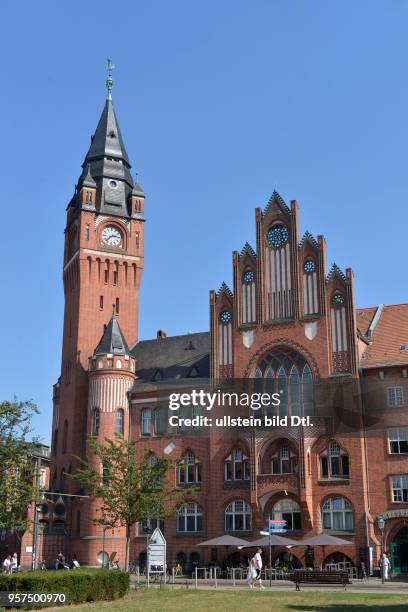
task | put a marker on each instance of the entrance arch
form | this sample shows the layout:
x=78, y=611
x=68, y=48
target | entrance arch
x=399, y=551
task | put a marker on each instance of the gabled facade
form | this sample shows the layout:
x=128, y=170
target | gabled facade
x=287, y=322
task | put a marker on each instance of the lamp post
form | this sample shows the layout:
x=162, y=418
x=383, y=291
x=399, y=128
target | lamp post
x=381, y=525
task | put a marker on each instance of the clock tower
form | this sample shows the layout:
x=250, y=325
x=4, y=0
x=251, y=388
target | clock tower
x=102, y=269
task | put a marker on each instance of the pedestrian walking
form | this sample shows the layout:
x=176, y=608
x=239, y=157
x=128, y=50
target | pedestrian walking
x=258, y=567
x=385, y=567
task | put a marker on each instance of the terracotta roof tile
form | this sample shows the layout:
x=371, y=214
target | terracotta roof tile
x=389, y=336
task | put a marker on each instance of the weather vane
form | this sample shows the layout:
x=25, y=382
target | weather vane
x=109, y=81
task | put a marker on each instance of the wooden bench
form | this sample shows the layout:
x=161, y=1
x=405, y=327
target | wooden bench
x=319, y=577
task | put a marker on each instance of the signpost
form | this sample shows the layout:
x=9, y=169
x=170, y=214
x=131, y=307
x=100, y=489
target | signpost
x=274, y=526
x=156, y=555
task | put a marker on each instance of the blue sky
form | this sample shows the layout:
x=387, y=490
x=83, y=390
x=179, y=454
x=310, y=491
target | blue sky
x=220, y=103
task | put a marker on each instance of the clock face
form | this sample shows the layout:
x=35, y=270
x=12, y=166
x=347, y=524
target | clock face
x=111, y=236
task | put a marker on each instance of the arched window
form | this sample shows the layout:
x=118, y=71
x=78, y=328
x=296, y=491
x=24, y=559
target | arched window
x=310, y=291
x=278, y=277
x=145, y=421
x=65, y=437
x=334, y=462
x=287, y=510
x=286, y=372
x=120, y=421
x=248, y=314
x=189, y=470
x=190, y=518
x=236, y=466
x=284, y=460
x=95, y=422
x=337, y=514
x=238, y=516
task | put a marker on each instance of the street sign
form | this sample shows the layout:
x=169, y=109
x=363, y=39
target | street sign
x=275, y=526
x=156, y=553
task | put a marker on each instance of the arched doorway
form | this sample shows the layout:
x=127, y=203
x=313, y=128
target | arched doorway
x=286, y=560
x=399, y=551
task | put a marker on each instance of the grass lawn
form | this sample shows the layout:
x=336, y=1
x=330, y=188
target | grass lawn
x=183, y=600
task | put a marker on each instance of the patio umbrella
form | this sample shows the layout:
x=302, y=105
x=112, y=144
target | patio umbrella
x=273, y=539
x=323, y=540
x=225, y=540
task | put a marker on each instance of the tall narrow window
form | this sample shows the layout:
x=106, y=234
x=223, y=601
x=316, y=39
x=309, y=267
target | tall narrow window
x=310, y=299
x=145, y=422
x=106, y=276
x=248, y=297
x=189, y=470
x=119, y=421
x=95, y=422
x=225, y=343
x=55, y=442
x=115, y=277
x=117, y=306
x=278, y=273
x=236, y=466
x=87, y=231
x=65, y=437
x=101, y=302
x=159, y=420
x=339, y=333
x=334, y=462
x=287, y=373
x=137, y=240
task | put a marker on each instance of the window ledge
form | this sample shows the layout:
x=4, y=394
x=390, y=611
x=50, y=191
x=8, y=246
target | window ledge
x=185, y=485
x=337, y=532
x=239, y=533
x=236, y=484
x=326, y=482
x=189, y=534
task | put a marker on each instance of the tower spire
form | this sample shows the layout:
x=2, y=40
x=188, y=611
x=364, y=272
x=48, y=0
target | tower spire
x=109, y=81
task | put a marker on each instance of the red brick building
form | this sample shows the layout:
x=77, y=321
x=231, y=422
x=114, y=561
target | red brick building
x=288, y=322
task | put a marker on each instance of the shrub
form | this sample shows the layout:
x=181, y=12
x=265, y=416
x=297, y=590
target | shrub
x=79, y=585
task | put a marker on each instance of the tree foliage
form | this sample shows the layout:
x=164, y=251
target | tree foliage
x=130, y=488
x=16, y=463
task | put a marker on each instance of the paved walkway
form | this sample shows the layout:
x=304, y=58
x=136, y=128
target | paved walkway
x=373, y=585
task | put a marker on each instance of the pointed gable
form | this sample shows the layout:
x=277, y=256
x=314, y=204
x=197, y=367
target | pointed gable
x=276, y=204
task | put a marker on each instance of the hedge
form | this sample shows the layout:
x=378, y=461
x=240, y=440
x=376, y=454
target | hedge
x=80, y=585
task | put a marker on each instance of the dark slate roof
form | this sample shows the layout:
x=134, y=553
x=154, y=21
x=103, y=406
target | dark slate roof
x=106, y=166
x=112, y=341
x=107, y=140
x=86, y=179
x=172, y=359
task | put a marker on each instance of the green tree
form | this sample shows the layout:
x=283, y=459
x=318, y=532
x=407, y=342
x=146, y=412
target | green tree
x=130, y=489
x=16, y=463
